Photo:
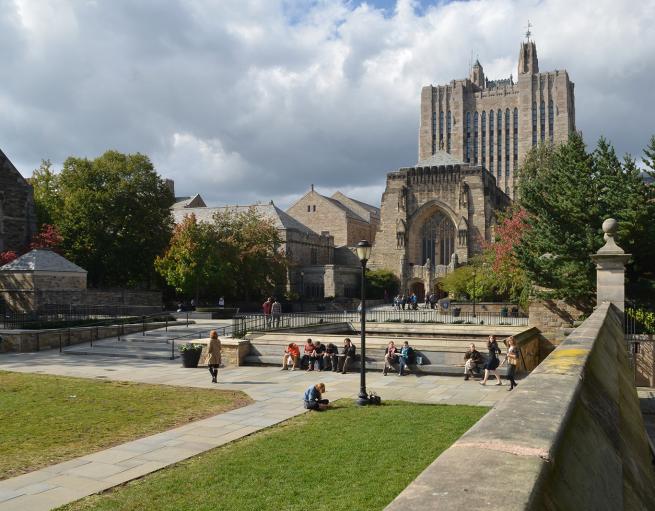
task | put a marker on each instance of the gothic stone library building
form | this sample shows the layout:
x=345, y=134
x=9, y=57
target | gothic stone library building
x=474, y=134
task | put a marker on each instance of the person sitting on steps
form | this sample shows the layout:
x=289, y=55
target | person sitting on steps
x=291, y=354
x=405, y=358
x=472, y=359
x=309, y=356
x=347, y=355
x=390, y=357
x=332, y=356
x=319, y=352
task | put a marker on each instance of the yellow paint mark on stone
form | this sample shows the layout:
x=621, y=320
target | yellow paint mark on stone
x=565, y=359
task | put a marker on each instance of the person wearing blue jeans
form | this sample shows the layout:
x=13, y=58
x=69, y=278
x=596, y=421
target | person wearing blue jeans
x=406, y=355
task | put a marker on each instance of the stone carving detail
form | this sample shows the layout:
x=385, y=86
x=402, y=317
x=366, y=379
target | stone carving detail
x=402, y=199
x=401, y=233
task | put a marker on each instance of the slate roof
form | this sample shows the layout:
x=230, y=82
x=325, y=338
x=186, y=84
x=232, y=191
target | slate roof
x=281, y=220
x=439, y=158
x=367, y=207
x=41, y=259
x=190, y=202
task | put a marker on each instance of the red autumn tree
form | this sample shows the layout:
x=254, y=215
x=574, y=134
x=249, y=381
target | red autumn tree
x=48, y=237
x=7, y=257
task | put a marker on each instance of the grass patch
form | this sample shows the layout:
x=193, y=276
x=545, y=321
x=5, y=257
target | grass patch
x=343, y=459
x=49, y=419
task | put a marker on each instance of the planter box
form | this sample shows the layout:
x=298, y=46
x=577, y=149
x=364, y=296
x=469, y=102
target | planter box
x=190, y=358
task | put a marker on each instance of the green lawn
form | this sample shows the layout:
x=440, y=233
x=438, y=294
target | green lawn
x=347, y=458
x=48, y=419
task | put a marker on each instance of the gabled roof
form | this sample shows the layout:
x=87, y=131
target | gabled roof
x=190, y=202
x=438, y=159
x=7, y=166
x=355, y=204
x=280, y=219
x=42, y=259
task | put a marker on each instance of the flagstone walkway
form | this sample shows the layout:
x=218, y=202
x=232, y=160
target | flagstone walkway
x=277, y=395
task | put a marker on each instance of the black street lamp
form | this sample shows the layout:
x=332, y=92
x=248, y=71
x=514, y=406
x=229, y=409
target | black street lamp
x=474, y=290
x=302, y=289
x=363, y=253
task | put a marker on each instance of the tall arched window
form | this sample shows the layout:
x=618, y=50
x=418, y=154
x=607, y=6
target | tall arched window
x=467, y=141
x=499, y=142
x=483, y=145
x=438, y=239
x=475, y=138
x=449, y=127
x=534, y=124
x=441, y=129
x=507, y=128
x=491, y=141
x=551, y=119
x=516, y=138
x=434, y=132
x=542, y=120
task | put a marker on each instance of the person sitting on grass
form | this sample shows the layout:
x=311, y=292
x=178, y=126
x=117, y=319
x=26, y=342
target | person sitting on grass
x=472, y=361
x=313, y=397
x=309, y=356
x=390, y=357
x=291, y=354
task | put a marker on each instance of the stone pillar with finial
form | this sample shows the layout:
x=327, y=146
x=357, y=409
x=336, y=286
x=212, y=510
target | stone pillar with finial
x=610, y=263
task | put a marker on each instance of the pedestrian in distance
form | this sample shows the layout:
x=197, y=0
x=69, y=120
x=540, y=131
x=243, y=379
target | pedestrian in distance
x=214, y=352
x=266, y=309
x=493, y=361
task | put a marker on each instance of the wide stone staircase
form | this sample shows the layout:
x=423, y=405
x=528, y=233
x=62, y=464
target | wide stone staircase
x=153, y=345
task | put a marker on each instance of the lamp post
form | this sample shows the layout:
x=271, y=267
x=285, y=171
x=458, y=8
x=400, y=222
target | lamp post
x=302, y=289
x=474, y=290
x=363, y=253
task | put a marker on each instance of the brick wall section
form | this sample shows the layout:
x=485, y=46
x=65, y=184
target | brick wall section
x=553, y=318
x=17, y=215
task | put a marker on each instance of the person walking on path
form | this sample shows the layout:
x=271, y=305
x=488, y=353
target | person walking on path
x=512, y=359
x=266, y=308
x=214, y=352
x=276, y=312
x=492, y=361
x=313, y=397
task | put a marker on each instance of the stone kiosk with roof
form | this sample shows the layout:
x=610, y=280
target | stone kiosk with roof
x=38, y=278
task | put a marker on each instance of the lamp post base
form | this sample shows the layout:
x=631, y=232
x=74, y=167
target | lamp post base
x=362, y=400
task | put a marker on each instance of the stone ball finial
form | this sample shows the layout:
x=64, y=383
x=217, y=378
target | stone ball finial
x=610, y=226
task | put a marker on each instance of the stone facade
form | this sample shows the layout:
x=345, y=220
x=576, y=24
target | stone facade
x=346, y=219
x=434, y=216
x=17, y=214
x=495, y=123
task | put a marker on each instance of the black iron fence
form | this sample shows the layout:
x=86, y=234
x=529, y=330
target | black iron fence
x=243, y=323
x=53, y=316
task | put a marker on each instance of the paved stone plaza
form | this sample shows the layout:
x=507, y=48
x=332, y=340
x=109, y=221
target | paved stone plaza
x=277, y=396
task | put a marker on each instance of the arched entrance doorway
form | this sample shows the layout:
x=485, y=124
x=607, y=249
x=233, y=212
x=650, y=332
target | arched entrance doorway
x=437, y=239
x=418, y=289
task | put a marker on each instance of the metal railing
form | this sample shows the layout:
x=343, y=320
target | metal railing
x=243, y=323
x=55, y=314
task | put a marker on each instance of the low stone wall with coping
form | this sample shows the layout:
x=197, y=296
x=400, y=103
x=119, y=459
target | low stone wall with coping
x=571, y=436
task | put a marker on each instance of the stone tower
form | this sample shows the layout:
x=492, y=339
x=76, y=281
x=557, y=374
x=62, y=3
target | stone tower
x=494, y=123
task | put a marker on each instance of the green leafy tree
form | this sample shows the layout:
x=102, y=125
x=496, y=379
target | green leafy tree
x=113, y=213
x=567, y=193
x=237, y=255
x=45, y=184
x=377, y=281
x=192, y=263
x=474, y=280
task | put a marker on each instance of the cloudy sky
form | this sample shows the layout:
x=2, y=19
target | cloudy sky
x=247, y=101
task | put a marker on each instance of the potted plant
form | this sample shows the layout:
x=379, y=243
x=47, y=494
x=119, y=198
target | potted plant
x=190, y=354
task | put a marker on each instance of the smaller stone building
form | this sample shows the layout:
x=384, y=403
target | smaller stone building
x=347, y=220
x=313, y=272
x=17, y=214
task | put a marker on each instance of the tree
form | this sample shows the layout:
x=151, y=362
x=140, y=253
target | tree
x=236, y=255
x=7, y=257
x=567, y=193
x=45, y=184
x=112, y=212
x=47, y=237
x=192, y=263
x=379, y=281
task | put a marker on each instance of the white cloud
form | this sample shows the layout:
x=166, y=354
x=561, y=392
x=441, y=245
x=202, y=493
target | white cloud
x=255, y=100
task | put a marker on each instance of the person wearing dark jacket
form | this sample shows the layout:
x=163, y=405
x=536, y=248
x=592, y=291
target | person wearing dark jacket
x=347, y=354
x=472, y=359
x=492, y=361
x=332, y=356
x=319, y=353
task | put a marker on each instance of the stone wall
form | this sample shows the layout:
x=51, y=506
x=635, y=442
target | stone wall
x=17, y=214
x=26, y=341
x=554, y=319
x=571, y=436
